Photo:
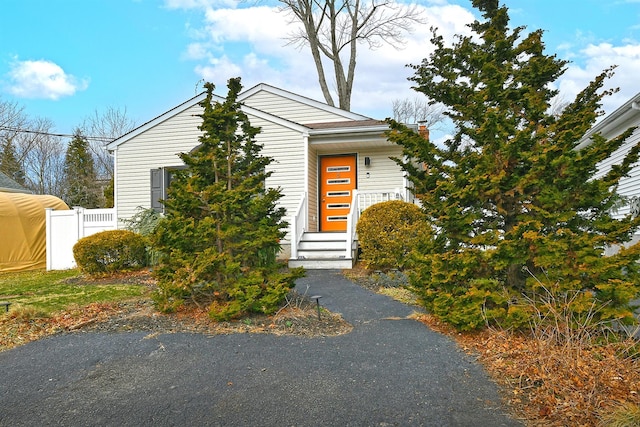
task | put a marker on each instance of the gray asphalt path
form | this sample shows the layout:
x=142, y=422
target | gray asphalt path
x=388, y=372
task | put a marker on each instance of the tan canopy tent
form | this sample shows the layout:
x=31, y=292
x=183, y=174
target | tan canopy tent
x=23, y=230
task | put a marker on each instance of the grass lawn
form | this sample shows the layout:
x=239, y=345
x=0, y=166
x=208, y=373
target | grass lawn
x=45, y=292
x=46, y=302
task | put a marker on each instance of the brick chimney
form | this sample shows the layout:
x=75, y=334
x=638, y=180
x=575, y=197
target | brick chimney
x=423, y=130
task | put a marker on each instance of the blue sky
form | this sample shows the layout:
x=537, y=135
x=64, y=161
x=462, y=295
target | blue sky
x=66, y=59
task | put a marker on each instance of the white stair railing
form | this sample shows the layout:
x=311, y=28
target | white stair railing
x=298, y=225
x=352, y=220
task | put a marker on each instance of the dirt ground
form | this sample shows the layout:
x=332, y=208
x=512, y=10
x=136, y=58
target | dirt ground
x=299, y=316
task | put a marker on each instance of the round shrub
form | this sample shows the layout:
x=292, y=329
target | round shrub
x=110, y=251
x=388, y=231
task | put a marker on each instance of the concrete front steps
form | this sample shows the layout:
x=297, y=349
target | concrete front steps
x=323, y=251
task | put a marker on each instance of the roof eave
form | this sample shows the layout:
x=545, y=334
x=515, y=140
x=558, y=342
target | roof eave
x=620, y=115
x=378, y=129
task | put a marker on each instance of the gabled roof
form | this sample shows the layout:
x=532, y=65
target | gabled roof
x=623, y=114
x=8, y=185
x=356, y=120
x=159, y=119
x=302, y=99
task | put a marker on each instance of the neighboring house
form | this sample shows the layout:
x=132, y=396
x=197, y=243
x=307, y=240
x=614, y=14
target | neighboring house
x=8, y=185
x=625, y=117
x=329, y=163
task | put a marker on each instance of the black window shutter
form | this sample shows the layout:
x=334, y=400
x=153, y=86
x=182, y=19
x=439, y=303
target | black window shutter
x=156, y=190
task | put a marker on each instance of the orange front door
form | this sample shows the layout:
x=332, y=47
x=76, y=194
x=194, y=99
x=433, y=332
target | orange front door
x=337, y=182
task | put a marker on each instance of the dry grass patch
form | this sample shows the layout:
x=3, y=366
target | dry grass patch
x=298, y=315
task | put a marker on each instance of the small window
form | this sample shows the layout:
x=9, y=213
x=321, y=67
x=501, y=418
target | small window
x=338, y=181
x=338, y=193
x=338, y=205
x=338, y=168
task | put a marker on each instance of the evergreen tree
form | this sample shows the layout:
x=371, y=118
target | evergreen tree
x=222, y=227
x=9, y=163
x=80, y=180
x=516, y=208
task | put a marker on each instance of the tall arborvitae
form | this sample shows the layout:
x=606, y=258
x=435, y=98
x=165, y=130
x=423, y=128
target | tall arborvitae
x=80, y=179
x=222, y=227
x=515, y=206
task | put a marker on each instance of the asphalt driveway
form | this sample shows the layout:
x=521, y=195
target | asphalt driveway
x=389, y=371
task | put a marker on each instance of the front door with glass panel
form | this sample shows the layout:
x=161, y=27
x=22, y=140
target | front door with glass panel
x=337, y=182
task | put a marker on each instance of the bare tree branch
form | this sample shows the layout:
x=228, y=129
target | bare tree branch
x=333, y=28
x=43, y=158
x=416, y=110
x=107, y=125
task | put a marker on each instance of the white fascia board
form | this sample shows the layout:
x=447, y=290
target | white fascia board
x=370, y=135
x=378, y=129
x=275, y=119
x=302, y=99
x=619, y=116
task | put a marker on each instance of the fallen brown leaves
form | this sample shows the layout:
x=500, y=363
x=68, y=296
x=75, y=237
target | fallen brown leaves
x=549, y=384
x=23, y=326
x=298, y=317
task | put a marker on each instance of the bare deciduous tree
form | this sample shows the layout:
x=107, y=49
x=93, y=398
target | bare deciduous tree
x=333, y=28
x=102, y=128
x=40, y=153
x=43, y=158
x=12, y=119
x=558, y=104
x=417, y=111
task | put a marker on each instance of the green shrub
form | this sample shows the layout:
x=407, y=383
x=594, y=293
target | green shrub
x=144, y=222
x=110, y=251
x=253, y=293
x=388, y=231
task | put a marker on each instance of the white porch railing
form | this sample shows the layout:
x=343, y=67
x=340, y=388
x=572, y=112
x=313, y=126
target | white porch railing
x=371, y=197
x=65, y=228
x=298, y=225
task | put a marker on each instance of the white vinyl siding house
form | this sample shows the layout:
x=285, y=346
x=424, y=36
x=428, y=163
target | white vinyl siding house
x=158, y=147
x=286, y=147
x=296, y=132
x=611, y=126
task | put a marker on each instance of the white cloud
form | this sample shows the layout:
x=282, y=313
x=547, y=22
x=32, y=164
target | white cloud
x=42, y=79
x=251, y=42
x=262, y=26
x=199, y=4
x=195, y=51
x=593, y=60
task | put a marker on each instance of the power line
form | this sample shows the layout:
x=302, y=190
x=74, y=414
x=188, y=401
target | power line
x=62, y=135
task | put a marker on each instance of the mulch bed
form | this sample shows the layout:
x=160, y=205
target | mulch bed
x=299, y=316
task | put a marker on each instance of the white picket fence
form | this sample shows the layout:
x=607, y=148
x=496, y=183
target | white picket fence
x=65, y=228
